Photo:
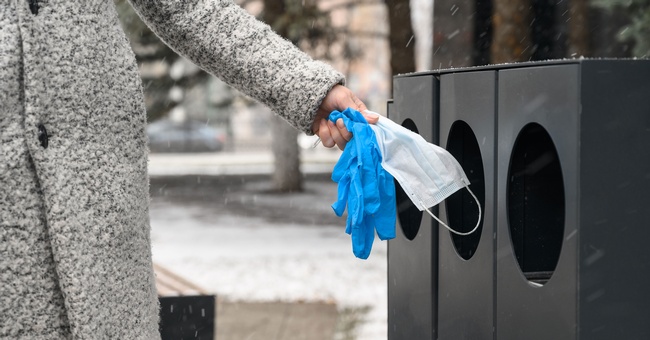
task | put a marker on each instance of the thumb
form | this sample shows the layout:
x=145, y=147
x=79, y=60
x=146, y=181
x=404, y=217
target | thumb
x=371, y=118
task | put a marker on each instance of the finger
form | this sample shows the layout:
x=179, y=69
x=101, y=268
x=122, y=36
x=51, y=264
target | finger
x=370, y=118
x=324, y=134
x=336, y=135
x=340, y=125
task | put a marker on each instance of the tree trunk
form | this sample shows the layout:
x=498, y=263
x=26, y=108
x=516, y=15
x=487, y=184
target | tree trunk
x=401, y=37
x=578, y=29
x=286, y=173
x=511, y=31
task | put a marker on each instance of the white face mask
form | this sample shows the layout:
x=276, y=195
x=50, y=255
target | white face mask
x=427, y=173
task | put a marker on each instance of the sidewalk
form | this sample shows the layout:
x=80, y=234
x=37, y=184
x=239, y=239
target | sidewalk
x=276, y=320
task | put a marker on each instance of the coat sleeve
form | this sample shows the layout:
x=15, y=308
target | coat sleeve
x=223, y=39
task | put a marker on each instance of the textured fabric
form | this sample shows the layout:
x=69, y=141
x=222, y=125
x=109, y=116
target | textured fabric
x=31, y=304
x=364, y=187
x=75, y=257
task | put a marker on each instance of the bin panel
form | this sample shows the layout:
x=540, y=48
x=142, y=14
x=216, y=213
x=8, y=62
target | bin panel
x=538, y=112
x=614, y=200
x=595, y=115
x=412, y=255
x=466, y=263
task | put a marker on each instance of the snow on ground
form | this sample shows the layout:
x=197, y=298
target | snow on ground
x=246, y=257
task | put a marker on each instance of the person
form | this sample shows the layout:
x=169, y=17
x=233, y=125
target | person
x=75, y=257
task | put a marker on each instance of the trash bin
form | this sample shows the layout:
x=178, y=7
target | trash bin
x=413, y=253
x=559, y=155
x=573, y=200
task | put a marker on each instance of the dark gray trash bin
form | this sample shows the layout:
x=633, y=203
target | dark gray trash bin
x=412, y=255
x=573, y=260
x=563, y=249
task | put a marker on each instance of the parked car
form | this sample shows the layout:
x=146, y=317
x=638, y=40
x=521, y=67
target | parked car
x=189, y=136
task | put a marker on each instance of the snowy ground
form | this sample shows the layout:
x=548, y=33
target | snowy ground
x=234, y=238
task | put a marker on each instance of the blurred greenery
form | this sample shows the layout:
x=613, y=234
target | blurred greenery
x=638, y=30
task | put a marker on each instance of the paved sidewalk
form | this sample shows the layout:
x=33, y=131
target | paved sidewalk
x=276, y=321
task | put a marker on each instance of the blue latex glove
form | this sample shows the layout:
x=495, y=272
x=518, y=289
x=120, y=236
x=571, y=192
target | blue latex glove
x=364, y=186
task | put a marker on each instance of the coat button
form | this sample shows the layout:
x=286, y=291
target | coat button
x=33, y=6
x=42, y=136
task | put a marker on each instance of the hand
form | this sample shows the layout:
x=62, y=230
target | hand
x=339, y=98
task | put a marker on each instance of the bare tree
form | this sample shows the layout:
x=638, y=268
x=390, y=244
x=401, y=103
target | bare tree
x=401, y=37
x=511, y=31
x=578, y=28
x=287, y=176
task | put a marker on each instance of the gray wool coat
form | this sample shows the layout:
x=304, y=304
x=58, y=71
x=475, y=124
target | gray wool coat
x=75, y=258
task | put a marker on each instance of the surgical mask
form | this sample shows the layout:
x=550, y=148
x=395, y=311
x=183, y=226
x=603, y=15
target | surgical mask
x=427, y=173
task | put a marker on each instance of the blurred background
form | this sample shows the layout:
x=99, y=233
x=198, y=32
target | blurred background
x=241, y=201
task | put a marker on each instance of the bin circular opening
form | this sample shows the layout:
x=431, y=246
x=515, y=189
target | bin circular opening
x=409, y=216
x=461, y=208
x=535, y=203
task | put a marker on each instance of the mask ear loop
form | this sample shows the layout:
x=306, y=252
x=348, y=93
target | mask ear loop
x=458, y=232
